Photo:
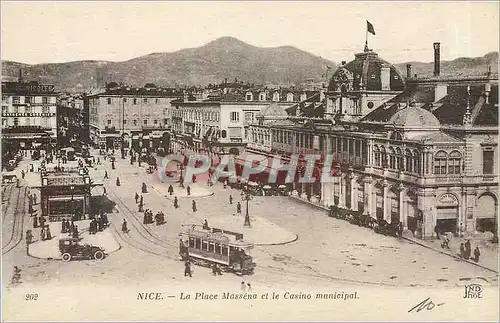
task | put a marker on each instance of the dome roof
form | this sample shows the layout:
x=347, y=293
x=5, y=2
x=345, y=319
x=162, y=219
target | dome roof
x=365, y=73
x=414, y=118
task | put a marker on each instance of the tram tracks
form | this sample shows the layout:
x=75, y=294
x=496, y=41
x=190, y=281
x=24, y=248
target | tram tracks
x=5, y=207
x=139, y=236
x=16, y=234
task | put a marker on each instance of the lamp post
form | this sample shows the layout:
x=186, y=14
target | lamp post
x=246, y=197
x=72, y=188
x=123, y=128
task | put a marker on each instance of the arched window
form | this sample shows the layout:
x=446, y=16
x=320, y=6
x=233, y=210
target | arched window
x=392, y=158
x=396, y=136
x=409, y=160
x=399, y=159
x=224, y=133
x=440, y=162
x=454, y=161
x=383, y=156
x=376, y=154
x=416, y=161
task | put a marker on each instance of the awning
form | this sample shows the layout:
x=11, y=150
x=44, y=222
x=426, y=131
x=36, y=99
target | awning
x=135, y=137
x=145, y=137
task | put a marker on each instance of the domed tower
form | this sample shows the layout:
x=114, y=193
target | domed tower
x=362, y=85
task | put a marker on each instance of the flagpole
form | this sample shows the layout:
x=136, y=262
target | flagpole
x=366, y=39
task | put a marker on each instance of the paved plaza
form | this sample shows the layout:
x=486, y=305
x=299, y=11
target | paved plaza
x=294, y=240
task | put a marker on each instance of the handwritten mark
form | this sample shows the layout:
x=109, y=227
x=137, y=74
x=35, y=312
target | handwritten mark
x=426, y=304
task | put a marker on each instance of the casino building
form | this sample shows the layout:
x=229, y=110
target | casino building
x=421, y=151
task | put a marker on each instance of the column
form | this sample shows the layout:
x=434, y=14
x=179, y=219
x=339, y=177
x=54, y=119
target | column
x=354, y=193
x=341, y=191
x=387, y=215
x=368, y=197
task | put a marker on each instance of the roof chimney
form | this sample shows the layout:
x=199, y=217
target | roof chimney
x=437, y=59
x=408, y=70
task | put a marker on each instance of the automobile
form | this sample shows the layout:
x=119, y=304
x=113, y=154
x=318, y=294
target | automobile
x=70, y=248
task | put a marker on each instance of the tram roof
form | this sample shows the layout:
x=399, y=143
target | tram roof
x=219, y=237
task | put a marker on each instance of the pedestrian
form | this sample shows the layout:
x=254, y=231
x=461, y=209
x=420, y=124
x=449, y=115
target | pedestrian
x=144, y=188
x=205, y=225
x=34, y=199
x=170, y=190
x=243, y=287
x=462, y=250
x=436, y=230
x=136, y=197
x=230, y=199
x=188, y=189
x=176, y=202
x=400, y=229
x=238, y=208
x=249, y=288
x=42, y=234
x=47, y=233
x=63, y=226
x=124, y=226
x=187, y=269
x=476, y=254
x=468, y=250
x=141, y=200
x=118, y=181
x=22, y=174
x=75, y=232
x=194, y=206
x=104, y=192
x=106, y=174
x=29, y=237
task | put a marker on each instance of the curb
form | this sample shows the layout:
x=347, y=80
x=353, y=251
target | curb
x=449, y=254
x=411, y=240
x=277, y=244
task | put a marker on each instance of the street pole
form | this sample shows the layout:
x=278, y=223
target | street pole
x=123, y=127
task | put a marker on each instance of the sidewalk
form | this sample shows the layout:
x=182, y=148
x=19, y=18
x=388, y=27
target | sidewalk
x=489, y=252
x=50, y=248
x=261, y=233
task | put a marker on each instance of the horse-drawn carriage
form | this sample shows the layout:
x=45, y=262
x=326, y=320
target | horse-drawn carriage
x=209, y=246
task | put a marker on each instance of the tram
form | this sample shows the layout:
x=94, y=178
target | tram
x=209, y=246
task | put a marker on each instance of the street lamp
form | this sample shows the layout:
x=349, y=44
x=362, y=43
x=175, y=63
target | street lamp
x=246, y=197
x=72, y=188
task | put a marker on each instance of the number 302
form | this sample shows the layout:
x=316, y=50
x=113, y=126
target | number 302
x=31, y=297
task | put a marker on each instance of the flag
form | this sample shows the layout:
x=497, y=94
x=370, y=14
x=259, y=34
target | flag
x=369, y=28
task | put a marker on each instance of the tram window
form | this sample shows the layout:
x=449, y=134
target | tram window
x=198, y=243
x=204, y=245
x=217, y=248
x=191, y=242
x=224, y=251
x=211, y=247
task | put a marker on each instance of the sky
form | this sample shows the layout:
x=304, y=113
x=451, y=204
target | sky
x=52, y=32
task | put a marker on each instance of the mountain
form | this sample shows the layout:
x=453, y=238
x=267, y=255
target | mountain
x=225, y=57
x=461, y=66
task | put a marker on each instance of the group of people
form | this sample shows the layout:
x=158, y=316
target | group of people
x=466, y=250
x=98, y=223
x=71, y=228
x=148, y=217
x=38, y=221
x=45, y=233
